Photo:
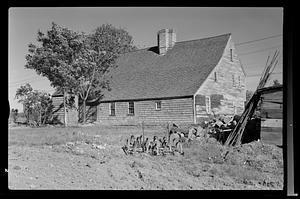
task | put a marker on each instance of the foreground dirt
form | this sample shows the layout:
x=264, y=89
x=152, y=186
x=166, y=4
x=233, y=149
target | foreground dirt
x=89, y=158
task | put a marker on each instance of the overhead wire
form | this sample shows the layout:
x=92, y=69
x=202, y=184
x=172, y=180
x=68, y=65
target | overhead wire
x=252, y=41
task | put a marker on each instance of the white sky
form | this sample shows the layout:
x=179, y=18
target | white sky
x=245, y=24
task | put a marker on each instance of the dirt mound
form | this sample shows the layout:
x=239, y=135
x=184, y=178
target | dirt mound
x=260, y=156
x=253, y=164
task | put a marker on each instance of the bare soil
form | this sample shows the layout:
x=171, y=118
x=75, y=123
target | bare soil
x=91, y=158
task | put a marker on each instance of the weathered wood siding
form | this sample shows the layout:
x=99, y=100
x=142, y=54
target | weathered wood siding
x=58, y=111
x=271, y=105
x=227, y=98
x=172, y=110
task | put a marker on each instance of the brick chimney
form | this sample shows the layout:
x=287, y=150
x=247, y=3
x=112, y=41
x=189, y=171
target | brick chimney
x=166, y=39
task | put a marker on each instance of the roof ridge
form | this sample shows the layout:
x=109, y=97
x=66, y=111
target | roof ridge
x=178, y=42
x=204, y=38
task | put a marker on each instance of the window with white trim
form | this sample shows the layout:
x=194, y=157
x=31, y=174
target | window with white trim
x=131, y=108
x=158, y=105
x=112, y=109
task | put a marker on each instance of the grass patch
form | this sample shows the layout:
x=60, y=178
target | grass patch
x=242, y=174
x=59, y=135
x=43, y=136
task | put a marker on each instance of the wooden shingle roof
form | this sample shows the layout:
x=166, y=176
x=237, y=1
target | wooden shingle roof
x=144, y=74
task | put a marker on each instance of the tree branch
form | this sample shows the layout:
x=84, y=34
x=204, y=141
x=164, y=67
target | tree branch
x=91, y=83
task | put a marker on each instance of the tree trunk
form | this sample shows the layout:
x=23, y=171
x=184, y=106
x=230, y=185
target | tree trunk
x=27, y=115
x=45, y=116
x=40, y=117
x=84, y=111
x=65, y=110
x=25, y=110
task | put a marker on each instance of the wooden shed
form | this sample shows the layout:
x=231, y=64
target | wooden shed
x=71, y=101
x=271, y=114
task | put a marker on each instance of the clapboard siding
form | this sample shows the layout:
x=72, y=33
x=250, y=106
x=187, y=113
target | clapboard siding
x=230, y=85
x=172, y=110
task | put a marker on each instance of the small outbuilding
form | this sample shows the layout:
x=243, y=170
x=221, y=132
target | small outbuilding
x=71, y=104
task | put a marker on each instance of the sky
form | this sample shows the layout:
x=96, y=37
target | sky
x=143, y=23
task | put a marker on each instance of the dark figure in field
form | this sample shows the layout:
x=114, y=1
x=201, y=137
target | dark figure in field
x=164, y=143
x=148, y=145
x=145, y=145
x=131, y=141
x=173, y=129
x=179, y=147
x=157, y=145
x=141, y=139
x=139, y=143
x=126, y=146
x=160, y=141
x=153, y=146
x=136, y=143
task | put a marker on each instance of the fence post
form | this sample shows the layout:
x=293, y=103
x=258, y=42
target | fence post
x=167, y=133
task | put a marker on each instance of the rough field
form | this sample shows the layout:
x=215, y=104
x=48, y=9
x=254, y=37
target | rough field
x=91, y=158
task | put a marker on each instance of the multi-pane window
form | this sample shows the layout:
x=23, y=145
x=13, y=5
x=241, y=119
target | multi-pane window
x=130, y=108
x=112, y=109
x=233, y=80
x=239, y=80
x=158, y=105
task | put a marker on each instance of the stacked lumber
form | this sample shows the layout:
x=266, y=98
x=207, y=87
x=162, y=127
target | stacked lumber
x=235, y=137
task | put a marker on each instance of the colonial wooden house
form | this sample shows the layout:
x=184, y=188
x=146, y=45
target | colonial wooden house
x=181, y=82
